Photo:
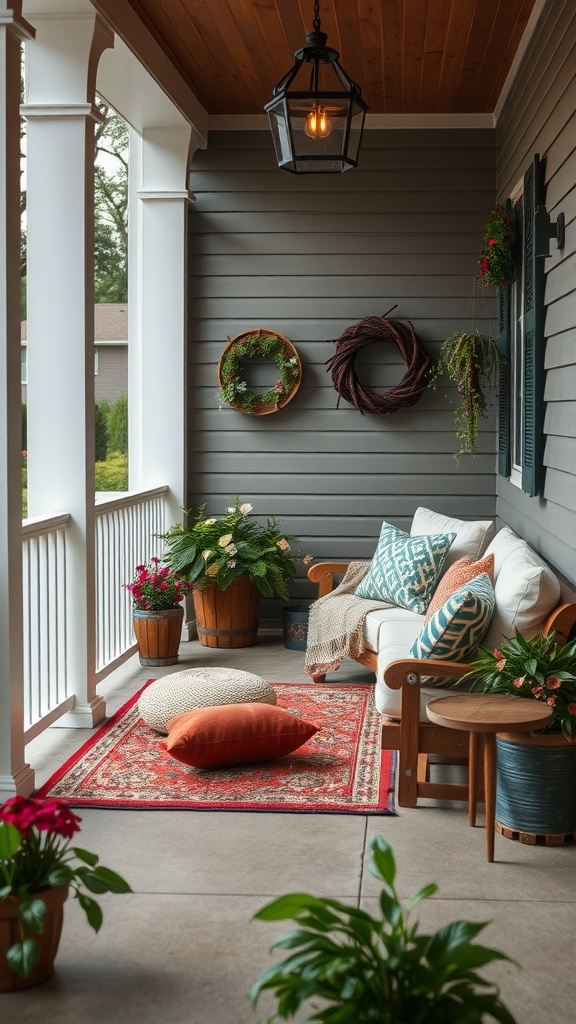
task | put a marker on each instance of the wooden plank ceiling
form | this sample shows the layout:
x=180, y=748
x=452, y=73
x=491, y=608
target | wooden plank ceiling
x=408, y=56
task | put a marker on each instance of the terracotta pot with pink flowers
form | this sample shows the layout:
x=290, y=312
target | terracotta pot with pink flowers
x=157, y=592
x=39, y=868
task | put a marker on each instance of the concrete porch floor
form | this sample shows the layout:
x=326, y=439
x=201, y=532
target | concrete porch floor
x=183, y=949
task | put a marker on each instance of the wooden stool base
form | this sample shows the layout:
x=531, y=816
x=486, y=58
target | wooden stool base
x=536, y=839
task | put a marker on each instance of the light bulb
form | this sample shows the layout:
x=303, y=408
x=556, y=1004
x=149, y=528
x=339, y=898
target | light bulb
x=318, y=124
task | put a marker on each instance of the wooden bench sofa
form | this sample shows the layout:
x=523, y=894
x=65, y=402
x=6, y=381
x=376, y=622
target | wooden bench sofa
x=401, y=697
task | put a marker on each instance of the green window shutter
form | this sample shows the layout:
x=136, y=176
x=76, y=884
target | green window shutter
x=504, y=297
x=533, y=419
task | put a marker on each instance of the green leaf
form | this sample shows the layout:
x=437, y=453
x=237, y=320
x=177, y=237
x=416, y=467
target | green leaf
x=32, y=913
x=101, y=880
x=383, y=865
x=287, y=907
x=86, y=856
x=60, y=875
x=93, y=912
x=23, y=957
x=10, y=840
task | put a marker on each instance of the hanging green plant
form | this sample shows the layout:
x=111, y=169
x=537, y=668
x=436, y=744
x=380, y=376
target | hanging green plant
x=266, y=344
x=497, y=263
x=472, y=362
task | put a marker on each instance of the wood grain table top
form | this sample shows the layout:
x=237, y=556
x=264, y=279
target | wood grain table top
x=489, y=712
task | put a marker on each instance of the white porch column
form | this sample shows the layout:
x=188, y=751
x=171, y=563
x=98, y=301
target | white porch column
x=158, y=217
x=15, y=774
x=60, y=90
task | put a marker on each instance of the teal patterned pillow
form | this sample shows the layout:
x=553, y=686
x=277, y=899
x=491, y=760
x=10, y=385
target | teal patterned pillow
x=404, y=570
x=455, y=630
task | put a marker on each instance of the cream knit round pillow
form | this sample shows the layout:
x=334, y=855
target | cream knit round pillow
x=200, y=688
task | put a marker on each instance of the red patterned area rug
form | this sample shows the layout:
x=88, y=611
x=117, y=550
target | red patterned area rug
x=341, y=769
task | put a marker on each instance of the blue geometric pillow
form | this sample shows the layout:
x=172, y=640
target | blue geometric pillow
x=404, y=570
x=455, y=630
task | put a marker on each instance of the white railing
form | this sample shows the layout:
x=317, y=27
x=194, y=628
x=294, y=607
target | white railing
x=127, y=526
x=44, y=621
x=126, y=535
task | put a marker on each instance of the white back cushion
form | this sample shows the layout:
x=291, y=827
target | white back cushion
x=526, y=589
x=471, y=538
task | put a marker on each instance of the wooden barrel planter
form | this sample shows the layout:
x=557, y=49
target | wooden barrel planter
x=228, y=618
x=536, y=788
x=48, y=940
x=158, y=635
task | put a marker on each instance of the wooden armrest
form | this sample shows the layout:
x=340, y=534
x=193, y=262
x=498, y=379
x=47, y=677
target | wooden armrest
x=561, y=621
x=323, y=574
x=395, y=674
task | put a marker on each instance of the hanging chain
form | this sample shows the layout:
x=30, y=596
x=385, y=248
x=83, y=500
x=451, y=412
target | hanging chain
x=316, y=21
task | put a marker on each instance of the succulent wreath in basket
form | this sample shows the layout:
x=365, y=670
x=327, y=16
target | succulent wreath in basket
x=269, y=345
x=497, y=263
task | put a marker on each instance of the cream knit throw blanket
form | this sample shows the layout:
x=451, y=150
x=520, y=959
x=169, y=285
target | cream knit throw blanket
x=336, y=624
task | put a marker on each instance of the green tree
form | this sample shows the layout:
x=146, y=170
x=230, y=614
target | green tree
x=101, y=425
x=112, y=475
x=24, y=427
x=111, y=208
x=118, y=426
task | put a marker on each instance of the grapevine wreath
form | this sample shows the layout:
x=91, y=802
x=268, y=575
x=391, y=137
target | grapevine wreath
x=269, y=345
x=355, y=338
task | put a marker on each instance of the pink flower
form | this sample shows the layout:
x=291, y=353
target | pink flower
x=20, y=812
x=571, y=709
x=519, y=683
x=537, y=690
x=553, y=683
x=283, y=544
x=497, y=654
x=45, y=815
x=501, y=664
x=551, y=701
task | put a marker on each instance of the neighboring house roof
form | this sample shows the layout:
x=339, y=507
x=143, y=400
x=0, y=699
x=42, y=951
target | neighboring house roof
x=110, y=323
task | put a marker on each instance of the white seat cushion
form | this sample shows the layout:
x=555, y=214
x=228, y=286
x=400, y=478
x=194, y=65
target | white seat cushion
x=526, y=589
x=471, y=537
x=374, y=621
x=196, y=688
x=396, y=639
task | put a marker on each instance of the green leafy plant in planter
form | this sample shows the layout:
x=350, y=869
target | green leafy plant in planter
x=368, y=970
x=539, y=669
x=472, y=362
x=497, y=263
x=235, y=544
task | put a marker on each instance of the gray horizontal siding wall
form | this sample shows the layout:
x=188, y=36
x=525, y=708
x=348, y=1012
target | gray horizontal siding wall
x=540, y=117
x=308, y=256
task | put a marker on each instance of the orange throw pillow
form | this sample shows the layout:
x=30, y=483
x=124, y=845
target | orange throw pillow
x=235, y=734
x=464, y=570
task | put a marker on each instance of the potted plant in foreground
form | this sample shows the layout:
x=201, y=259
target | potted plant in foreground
x=232, y=561
x=536, y=772
x=37, y=871
x=157, y=592
x=368, y=970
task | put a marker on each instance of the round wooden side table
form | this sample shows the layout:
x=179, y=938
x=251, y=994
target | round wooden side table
x=483, y=715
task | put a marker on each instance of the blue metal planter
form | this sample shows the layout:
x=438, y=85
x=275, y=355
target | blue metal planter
x=536, y=784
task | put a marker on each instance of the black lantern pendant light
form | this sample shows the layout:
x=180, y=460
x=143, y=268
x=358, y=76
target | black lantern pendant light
x=317, y=128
